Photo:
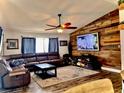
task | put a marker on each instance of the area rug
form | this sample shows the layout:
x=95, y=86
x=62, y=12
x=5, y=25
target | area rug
x=64, y=74
x=15, y=90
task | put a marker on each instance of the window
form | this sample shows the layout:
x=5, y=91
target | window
x=39, y=45
x=28, y=45
x=42, y=45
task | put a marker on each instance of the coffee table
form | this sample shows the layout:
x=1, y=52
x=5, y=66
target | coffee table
x=44, y=70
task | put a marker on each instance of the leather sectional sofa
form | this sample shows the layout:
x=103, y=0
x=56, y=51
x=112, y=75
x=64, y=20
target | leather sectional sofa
x=19, y=75
x=37, y=58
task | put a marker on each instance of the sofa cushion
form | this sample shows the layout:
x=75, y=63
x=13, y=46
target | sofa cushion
x=56, y=60
x=31, y=63
x=30, y=59
x=16, y=56
x=6, y=58
x=17, y=62
x=28, y=55
x=45, y=61
x=53, y=57
x=53, y=53
x=41, y=58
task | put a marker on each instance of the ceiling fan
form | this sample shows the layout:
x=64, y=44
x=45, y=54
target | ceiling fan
x=61, y=26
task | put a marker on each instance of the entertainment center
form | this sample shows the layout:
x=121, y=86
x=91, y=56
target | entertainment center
x=87, y=42
x=87, y=61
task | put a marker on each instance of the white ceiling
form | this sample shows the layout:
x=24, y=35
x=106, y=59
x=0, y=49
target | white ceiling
x=33, y=15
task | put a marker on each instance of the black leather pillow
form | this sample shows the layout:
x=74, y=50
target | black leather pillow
x=17, y=62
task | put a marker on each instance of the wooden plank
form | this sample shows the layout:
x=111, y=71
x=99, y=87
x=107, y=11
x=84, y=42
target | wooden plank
x=110, y=47
x=110, y=30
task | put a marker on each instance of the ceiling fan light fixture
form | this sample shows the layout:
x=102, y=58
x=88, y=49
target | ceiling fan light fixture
x=59, y=30
x=60, y=27
x=63, y=26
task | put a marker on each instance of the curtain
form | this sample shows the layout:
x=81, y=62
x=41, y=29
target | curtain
x=1, y=32
x=53, y=45
x=1, y=41
x=28, y=45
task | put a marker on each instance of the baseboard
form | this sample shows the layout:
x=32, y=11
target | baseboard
x=111, y=69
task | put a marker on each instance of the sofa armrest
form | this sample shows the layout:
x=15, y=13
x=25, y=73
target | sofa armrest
x=16, y=80
x=97, y=86
x=18, y=71
x=19, y=67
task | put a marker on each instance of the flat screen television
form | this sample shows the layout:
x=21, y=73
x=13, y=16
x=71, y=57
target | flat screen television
x=88, y=42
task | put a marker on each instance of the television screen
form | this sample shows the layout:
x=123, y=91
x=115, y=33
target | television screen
x=88, y=42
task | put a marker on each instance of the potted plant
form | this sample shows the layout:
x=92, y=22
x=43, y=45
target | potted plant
x=122, y=22
x=121, y=26
x=120, y=2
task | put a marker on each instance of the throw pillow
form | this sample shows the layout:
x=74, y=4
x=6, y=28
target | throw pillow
x=17, y=62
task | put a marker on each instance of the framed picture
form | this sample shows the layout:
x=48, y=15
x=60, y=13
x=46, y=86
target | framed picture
x=12, y=43
x=63, y=43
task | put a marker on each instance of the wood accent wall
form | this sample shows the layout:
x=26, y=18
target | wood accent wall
x=109, y=39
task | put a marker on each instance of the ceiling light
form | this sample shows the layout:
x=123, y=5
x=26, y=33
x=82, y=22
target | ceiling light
x=60, y=30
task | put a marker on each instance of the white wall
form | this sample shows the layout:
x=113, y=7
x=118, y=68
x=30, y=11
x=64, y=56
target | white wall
x=121, y=18
x=122, y=48
x=19, y=35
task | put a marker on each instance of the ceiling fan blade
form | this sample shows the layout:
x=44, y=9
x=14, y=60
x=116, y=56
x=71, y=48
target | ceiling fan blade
x=50, y=28
x=51, y=25
x=70, y=27
x=67, y=24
